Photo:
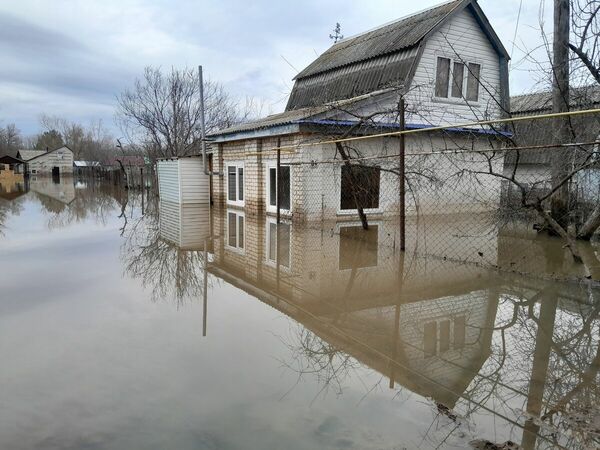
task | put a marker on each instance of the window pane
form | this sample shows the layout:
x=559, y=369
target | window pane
x=273, y=186
x=272, y=241
x=284, y=187
x=430, y=339
x=444, y=336
x=241, y=231
x=473, y=82
x=284, y=244
x=441, y=77
x=457, y=79
x=231, y=229
x=231, y=183
x=459, y=332
x=240, y=183
x=359, y=185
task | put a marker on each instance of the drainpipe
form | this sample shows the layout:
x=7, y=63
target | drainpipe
x=203, y=125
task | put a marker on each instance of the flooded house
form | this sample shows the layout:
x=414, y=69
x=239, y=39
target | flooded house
x=56, y=163
x=448, y=65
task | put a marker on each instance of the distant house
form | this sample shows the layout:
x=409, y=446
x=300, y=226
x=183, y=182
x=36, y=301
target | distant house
x=57, y=162
x=127, y=161
x=84, y=168
x=533, y=165
x=448, y=64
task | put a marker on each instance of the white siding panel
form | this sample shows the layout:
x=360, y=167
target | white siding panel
x=168, y=180
x=462, y=36
x=195, y=185
x=186, y=226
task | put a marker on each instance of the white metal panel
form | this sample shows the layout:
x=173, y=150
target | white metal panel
x=168, y=180
x=195, y=184
x=186, y=226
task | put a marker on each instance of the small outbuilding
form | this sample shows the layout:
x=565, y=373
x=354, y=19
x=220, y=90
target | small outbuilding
x=57, y=162
x=183, y=181
x=11, y=169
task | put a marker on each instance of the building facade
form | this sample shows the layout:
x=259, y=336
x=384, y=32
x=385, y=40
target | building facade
x=57, y=162
x=450, y=68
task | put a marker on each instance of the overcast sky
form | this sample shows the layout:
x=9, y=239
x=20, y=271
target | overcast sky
x=71, y=58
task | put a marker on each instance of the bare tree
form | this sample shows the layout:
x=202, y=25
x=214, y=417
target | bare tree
x=162, y=111
x=10, y=139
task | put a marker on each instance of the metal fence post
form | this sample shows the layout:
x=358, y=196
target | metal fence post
x=402, y=181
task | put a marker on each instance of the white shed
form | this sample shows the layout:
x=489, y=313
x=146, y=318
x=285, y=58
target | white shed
x=186, y=226
x=182, y=180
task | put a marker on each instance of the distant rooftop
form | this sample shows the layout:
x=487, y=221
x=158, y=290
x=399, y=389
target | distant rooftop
x=538, y=102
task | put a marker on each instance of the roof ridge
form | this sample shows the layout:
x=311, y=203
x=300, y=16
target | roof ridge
x=378, y=32
x=392, y=22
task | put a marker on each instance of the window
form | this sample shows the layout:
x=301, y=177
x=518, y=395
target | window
x=443, y=335
x=359, y=185
x=358, y=247
x=451, y=79
x=458, y=75
x=473, y=82
x=285, y=187
x=279, y=235
x=235, y=230
x=442, y=77
x=235, y=185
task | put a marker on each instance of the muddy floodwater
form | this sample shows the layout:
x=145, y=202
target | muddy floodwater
x=130, y=323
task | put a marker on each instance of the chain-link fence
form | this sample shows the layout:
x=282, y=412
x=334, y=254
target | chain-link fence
x=500, y=199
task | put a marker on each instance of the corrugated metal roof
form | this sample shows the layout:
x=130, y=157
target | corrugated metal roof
x=581, y=97
x=390, y=38
x=352, y=80
x=86, y=164
x=27, y=155
x=283, y=118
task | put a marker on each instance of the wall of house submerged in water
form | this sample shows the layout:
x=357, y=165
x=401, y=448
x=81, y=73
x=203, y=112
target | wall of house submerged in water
x=315, y=184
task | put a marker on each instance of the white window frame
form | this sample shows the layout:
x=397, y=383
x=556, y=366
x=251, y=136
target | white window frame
x=238, y=214
x=463, y=98
x=238, y=165
x=270, y=208
x=350, y=212
x=451, y=337
x=273, y=262
x=338, y=228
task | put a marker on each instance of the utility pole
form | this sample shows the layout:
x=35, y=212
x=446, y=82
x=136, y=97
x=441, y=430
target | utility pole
x=560, y=103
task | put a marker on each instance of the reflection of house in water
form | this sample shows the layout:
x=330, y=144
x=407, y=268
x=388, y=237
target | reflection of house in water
x=425, y=324
x=54, y=194
x=13, y=190
x=186, y=226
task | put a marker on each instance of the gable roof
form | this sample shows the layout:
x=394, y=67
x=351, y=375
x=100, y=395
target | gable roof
x=27, y=155
x=378, y=58
x=7, y=159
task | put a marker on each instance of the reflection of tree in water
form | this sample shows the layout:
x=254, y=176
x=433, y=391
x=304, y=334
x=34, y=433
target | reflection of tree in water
x=312, y=356
x=8, y=209
x=171, y=273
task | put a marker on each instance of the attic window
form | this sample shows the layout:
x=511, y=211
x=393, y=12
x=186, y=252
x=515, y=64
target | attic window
x=451, y=81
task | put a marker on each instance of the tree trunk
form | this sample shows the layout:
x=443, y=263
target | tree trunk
x=560, y=103
x=591, y=225
x=359, y=207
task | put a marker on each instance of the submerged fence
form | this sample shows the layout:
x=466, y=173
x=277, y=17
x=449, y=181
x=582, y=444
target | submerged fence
x=515, y=198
